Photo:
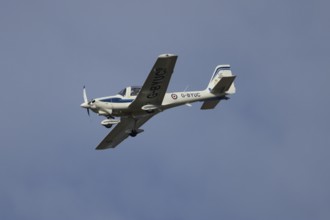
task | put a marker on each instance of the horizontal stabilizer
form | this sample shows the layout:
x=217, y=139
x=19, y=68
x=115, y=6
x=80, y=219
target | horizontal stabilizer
x=210, y=104
x=223, y=85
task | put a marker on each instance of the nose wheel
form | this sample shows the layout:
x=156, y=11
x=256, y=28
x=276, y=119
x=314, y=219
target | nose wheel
x=108, y=126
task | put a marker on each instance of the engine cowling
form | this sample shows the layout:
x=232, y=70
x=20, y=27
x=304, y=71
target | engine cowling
x=109, y=122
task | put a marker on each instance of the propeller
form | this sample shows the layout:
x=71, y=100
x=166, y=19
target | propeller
x=85, y=95
x=86, y=103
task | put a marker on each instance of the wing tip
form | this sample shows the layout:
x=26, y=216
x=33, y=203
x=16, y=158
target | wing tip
x=103, y=148
x=166, y=55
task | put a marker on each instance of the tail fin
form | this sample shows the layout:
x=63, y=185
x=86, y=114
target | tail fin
x=222, y=81
x=221, y=84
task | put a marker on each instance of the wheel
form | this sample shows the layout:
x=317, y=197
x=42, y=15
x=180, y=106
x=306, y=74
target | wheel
x=108, y=126
x=133, y=133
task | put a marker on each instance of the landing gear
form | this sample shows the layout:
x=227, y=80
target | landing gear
x=108, y=123
x=133, y=133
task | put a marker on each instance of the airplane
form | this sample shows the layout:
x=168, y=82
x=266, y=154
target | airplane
x=133, y=106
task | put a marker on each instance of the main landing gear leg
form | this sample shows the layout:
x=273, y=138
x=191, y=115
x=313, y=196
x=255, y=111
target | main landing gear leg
x=134, y=131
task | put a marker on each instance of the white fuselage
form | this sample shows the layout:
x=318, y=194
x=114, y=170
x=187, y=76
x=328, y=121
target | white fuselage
x=118, y=105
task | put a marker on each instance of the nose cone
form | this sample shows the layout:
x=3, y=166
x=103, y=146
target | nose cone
x=84, y=105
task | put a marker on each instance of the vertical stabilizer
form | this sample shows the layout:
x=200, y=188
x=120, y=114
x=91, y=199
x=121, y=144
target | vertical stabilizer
x=222, y=80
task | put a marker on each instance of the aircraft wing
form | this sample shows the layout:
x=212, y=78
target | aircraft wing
x=122, y=131
x=155, y=86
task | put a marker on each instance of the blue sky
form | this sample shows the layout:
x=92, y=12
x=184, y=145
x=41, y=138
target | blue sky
x=264, y=154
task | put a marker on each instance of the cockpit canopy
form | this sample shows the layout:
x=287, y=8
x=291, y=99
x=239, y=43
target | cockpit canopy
x=130, y=91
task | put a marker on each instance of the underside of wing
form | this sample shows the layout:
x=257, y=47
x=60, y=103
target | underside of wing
x=122, y=131
x=155, y=86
